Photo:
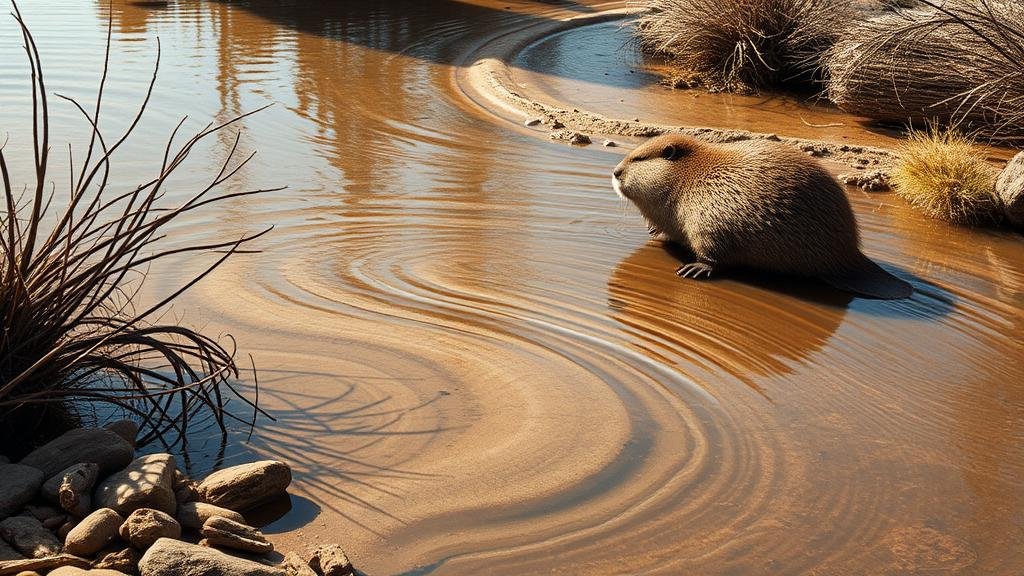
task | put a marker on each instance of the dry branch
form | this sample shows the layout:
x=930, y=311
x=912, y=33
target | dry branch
x=72, y=336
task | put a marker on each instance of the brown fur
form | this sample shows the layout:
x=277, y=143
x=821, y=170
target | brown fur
x=753, y=204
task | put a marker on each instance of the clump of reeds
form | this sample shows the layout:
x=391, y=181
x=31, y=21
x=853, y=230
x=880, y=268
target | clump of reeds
x=69, y=279
x=958, y=61
x=743, y=45
x=944, y=174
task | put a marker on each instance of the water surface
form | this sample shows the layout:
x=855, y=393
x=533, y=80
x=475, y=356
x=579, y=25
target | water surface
x=480, y=364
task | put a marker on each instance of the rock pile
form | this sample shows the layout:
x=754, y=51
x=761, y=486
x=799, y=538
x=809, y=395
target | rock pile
x=85, y=504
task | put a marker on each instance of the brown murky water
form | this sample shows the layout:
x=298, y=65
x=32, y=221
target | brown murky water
x=478, y=362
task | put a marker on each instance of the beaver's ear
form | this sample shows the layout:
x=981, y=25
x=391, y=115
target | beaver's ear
x=673, y=152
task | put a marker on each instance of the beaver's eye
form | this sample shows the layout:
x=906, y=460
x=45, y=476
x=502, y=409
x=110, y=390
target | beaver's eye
x=672, y=152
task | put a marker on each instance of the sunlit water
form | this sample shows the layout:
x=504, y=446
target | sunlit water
x=477, y=360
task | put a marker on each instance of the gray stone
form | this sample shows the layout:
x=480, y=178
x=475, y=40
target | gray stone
x=184, y=488
x=71, y=488
x=222, y=532
x=195, y=514
x=242, y=487
x=97, y=445
x=7, y=553
x=146, y=525
x=93, y=533
x=145, y=483
x=330, y=560
x=65, y=529
x=126, y=429
x=169, y=557
x=1010, y=190
x=18, y=486
x=42, y=564
x=27, y=535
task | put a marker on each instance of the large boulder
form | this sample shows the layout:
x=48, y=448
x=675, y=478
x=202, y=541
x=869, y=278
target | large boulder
x=96, y=445
x=147, y=482
x=28, y=536
x=93, y=533
x=195, y=514
x=72, y=488
x=18, y=486
x=1010, y=190
x=145, y=526
x=244, y=486
x=169, y=557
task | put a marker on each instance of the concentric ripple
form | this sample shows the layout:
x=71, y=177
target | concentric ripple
x=479, y=363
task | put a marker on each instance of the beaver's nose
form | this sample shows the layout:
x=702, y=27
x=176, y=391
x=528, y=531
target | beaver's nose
x=619, y=170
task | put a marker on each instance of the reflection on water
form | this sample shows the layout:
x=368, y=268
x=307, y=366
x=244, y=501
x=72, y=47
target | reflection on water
x=478, y=362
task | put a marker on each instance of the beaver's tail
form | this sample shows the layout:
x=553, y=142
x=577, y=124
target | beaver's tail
x=869, y=279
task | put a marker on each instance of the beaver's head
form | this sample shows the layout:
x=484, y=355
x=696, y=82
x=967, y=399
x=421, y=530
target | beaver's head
x=648, y=175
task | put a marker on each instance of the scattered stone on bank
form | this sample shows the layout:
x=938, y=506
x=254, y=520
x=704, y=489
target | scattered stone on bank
x=102, y=447
x=223, y=532
x=28, y=536
x=93, y=532
x=169, y=557
x=195, y=514
x=331, y=560
x=7, y=553
x=184, y=488
x=145, y=526
x=874, y=181
x=69, y=571
x=242, y=487
x=18, y=486
x=571, y=136
x=64, y=529
x=126, y=429
x=123, y=559
x=1010, y=190
x=147, y=482
x=294, y=565
x=532, y=122
x=71, y=488
x=609, y=144
x=42, y=564
x=816, y=150
x=75, y=571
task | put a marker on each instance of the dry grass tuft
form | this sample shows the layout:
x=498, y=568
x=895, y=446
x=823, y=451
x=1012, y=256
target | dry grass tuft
x=69, y=282
x=743, y=45
x=945, y=175
x=958, y=61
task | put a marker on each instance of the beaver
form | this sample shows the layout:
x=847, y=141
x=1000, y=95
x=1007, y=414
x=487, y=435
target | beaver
x=755, y=204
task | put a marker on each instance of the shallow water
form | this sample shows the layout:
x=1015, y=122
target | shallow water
x=477, y=360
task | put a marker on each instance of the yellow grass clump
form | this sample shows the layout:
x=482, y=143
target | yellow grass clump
x=945, y=175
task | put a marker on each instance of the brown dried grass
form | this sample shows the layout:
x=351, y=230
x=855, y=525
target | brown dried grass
x=743, y=45
x=960, y=62
x=944, y=174
x=72, y=337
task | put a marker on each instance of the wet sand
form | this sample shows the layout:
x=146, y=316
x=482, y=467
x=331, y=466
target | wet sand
x=478, y=361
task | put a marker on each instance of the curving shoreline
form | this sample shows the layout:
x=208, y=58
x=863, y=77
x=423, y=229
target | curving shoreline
x=489, y=81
